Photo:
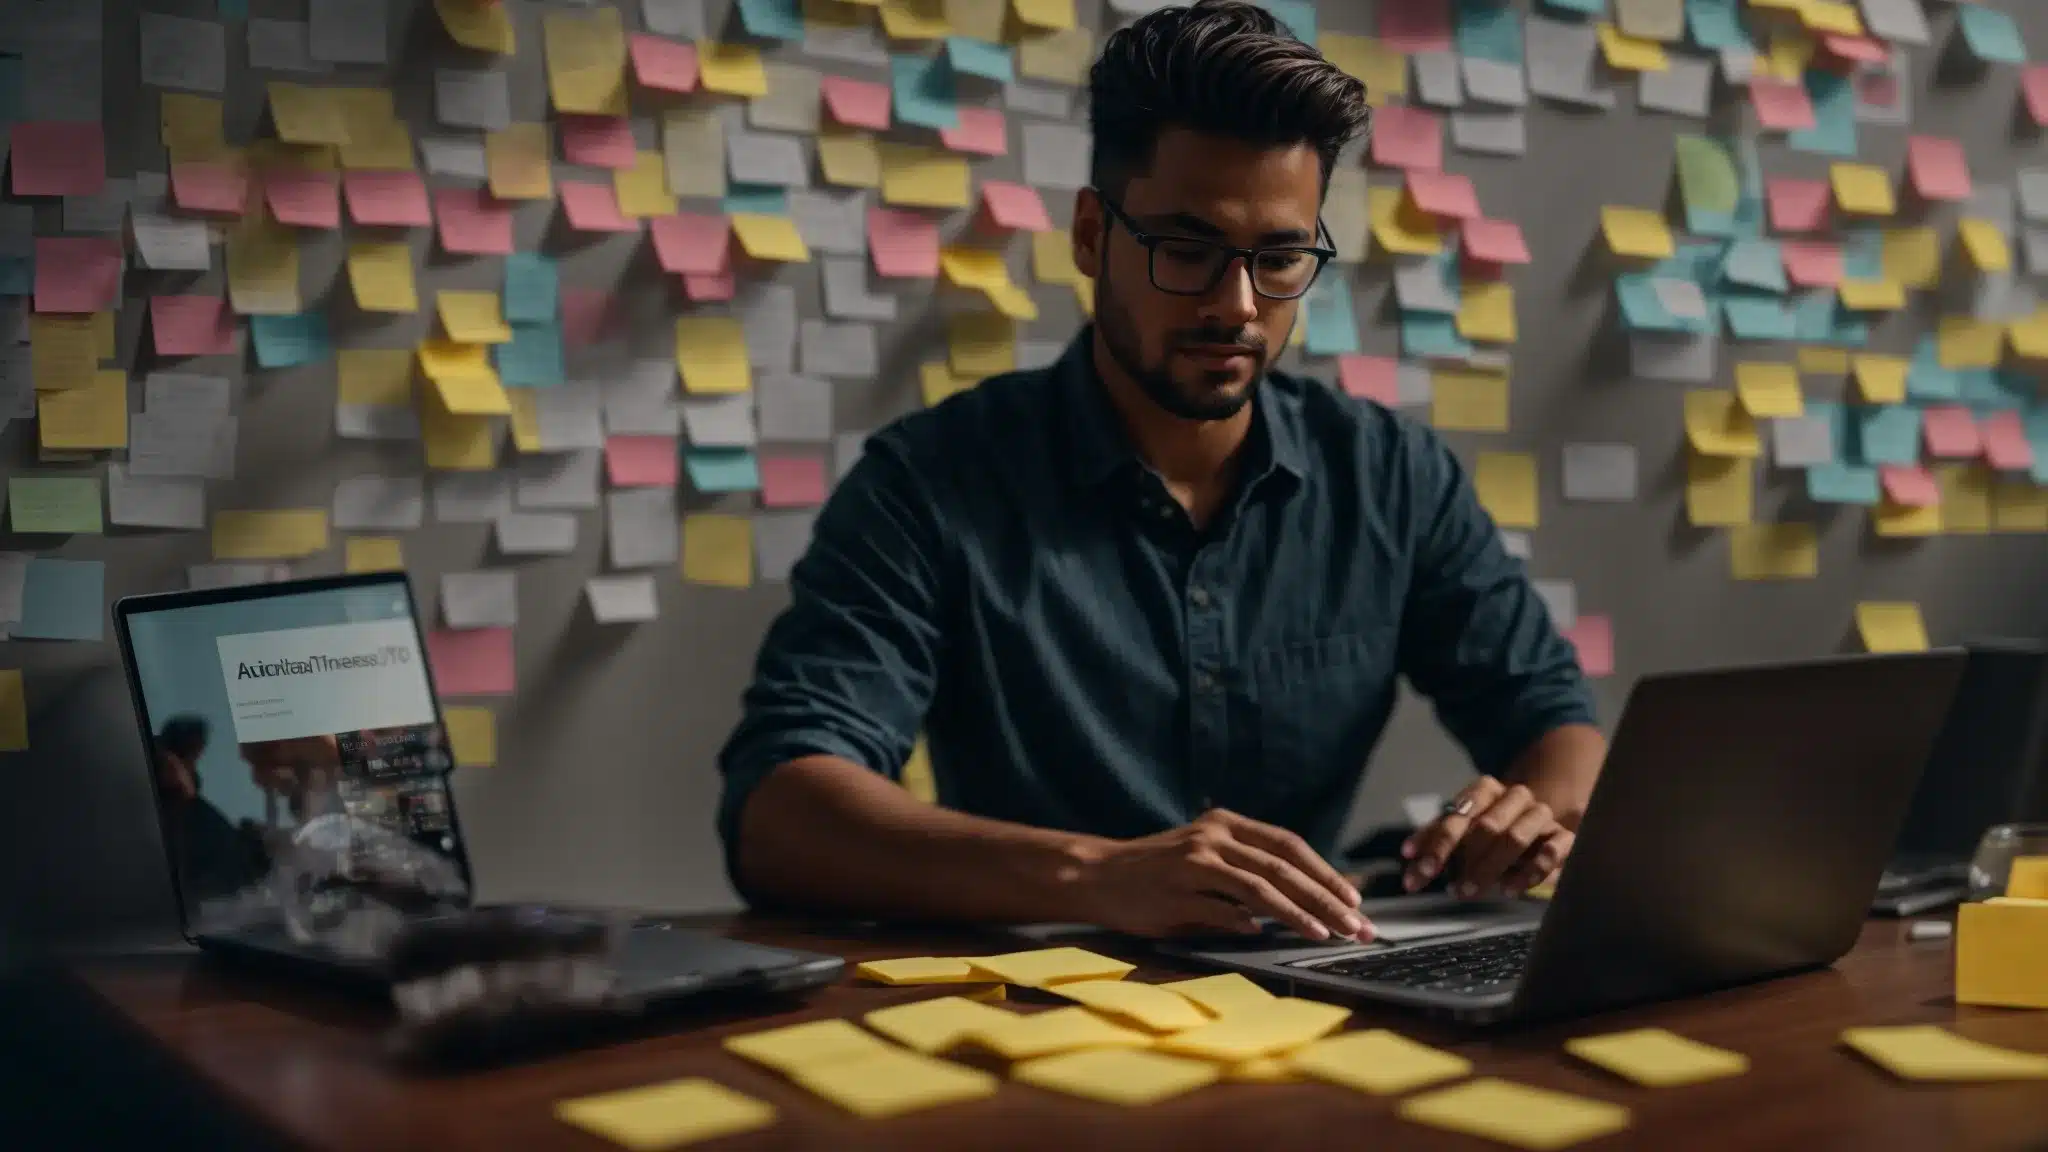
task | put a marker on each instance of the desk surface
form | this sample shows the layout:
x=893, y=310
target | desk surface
x=308, y=1067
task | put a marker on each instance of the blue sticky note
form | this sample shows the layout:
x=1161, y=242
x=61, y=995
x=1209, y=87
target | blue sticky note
x=923, y=90
x=1863, y=253
x=1834, y=116
x=980, y=58
x=1887, y=434
x=1642, y=310
x=772, y=19
x=13, y=90
x=1709, y=223
x=723, y=469
x=1489, y=30
x=63, y=600
x=2035, y=423
x=1752, y=317
x=1432, y=334
x=288, y=341
x=1851, y=329
x=1332, y=326
x=1842, y=484
x=533, y=357
x=1927, y=379
x=1298, y=15
x=1715, y=24
x=1814, y=314
x=1754, y=263
x=759, y=199
x=1694, y=260
x=532, y=287
x=1991, y=34
x=17, y=275
x=1992, y=390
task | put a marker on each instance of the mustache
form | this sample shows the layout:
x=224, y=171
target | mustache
x=1220, y=338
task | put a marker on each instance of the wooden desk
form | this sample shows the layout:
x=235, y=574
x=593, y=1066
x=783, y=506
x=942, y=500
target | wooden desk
x=307, y=1069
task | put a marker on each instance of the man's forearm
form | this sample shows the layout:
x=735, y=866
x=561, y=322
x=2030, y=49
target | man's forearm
x=1560, y=768
x=822, y=834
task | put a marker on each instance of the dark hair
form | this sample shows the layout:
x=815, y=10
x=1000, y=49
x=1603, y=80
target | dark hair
x=1220, y=67
x=184, y=736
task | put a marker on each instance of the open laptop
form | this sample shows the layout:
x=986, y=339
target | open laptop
x=300, y=766
x=1738, y=830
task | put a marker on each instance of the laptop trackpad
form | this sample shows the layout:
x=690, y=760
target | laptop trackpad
x=1405, y=919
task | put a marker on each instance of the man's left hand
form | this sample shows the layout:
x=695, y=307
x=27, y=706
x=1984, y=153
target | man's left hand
x=1506, y=840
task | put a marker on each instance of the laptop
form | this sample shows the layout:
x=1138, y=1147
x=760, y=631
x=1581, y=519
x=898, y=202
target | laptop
x=1738, y=830
x=299, y=766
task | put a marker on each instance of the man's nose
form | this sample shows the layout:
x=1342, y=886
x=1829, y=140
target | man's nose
x=1232, y=302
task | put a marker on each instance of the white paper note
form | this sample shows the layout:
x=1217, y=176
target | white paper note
x=780, y=539
x=1802, y=441
x=841, y=351
x=1600, y=472
x=1515, y=544
x=1038, y=100
x=487, y=599
x=1686, y=88
x=177, y=52
x=795, y=408
x=558, y=480
x=1495, y=82
x=1438, y=80
x=683, y=19
x=179, y=446
x=155, y=501
x=348, y=31
x=768, y=314
x=1489, y=133
x=831, y=221
x=455, y=156
x=1421, y=286
x=1678, y=358
x=472, y=497
x=379, y=502
x=376, y=422
x=1902, y=21
x=767, y=158
x=721, y=421
x=1056, y=155
x=537, y=534
x=848, y=296
x=167, y=244
x=621, y=599
x=792, y=103
x=643, y=528
x=472, y=97
x=569, y=417
x=282, y=46
x=642, y=400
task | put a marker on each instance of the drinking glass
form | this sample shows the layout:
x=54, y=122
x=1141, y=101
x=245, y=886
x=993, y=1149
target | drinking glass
x=2001, y=845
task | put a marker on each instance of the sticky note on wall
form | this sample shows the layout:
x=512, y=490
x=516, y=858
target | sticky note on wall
x=1891, y=626
x=13, y=711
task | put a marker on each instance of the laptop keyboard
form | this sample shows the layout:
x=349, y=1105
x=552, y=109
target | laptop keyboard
x=1463, y=968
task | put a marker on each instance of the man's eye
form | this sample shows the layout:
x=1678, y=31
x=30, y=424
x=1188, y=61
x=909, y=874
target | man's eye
x=1285, y=261
x=1187, y=252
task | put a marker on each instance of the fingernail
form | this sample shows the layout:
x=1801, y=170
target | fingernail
x=1318, y=932
x=1408, y=850
x=1352, y=924
x=1426, y=869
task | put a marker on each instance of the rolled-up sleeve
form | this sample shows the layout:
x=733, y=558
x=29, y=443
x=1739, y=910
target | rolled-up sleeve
x=1475, y=637
x=848, y=668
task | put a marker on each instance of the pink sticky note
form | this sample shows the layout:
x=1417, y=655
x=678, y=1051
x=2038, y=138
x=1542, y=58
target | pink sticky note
x=1404, y=137
x=2006, y=447
x=903, y=244
x=2034, y=85
x=1937, y=168
x=792, y=481
x=1781, y=105
x=1877, y=89
x=473, y=222
x=1415, y=25
x=471, y=661
x=594, y=208
x=1007, y=206
x=982, y=131
x=856, y=103
x=589, y=316
x=192, y=326
x=59, y=158
x=1593, y=637
x=1797, y=205
x=1856, y=49
x=599, y=141
x=1910, y=485
x=709, y=288
x=643, y=461
x=692, y=244
x=1951, y=432
x=1444, y=194
x=664, y=64
x=1812, y=263
x=1376, y=378
x=215, y=188
x=1495, y=241
x=303, y=199
x=78, y=273
x=388, y=199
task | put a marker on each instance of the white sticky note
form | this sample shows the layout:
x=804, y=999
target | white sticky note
x=13, y=578
x=379, y=502
x=348, y=31
x=792, y=103
x=1421, y=286
x=537, y=534
x=641, y=401
x=1489, y=133
x=486, y=599
x=1516, y=544
x=177, y=445
x=643, y=528
x=768, y=315
x=768, y=158
x=1056, y=155
x=1038, y=100
x=104, y=211
x=1675, y=357
x=1438, y=80
x=1899, y=20
x=683, y=19
x=1495, y=82
x=848, y=295
x=850, y=43
x=1561, y=598
x=1600, y=472
x=722, y=421
x=178, y=52
x=1802, y=441
x=472, y=97
x=832, y=221
x=376, y=422
x=558, y=480
x=841, y=351
x=847, y=448
x=569, y=417
x=169, y=244
x=780, y=539
x=794, y=408
x=155, y=501
x=621, y=599
x=457, y=156
x=472, y=497
x=1038, y=353
x=282, y=46
x=1685, y=88
x=1682, y=298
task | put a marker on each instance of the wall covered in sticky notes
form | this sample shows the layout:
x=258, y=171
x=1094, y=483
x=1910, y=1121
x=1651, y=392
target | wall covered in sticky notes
x=578, y=313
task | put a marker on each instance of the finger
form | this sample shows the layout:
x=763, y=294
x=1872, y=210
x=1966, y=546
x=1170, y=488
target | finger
x=1293, y=849
x=1541, y=862
x=1261, y=897
x=1485, y=869
x=1435, y=842
x=1200, y=915
x=1489, y=824
x=1318, y=901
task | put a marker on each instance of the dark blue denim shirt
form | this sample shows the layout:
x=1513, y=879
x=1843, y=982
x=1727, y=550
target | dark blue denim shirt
x=1004, y=573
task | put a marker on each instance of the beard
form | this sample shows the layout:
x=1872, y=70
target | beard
x=1212, y=398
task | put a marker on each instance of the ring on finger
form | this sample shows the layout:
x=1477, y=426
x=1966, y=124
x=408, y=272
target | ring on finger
x=1462, y=806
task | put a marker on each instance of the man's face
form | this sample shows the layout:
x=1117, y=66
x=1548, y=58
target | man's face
x=1199, y=357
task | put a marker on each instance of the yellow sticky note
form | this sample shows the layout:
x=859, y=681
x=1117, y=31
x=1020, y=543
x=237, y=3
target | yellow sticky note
x=1863, y=189
x=1791, y=49
x=918, y=970
x=190, y=127
x=1262, y=1070
x=1280, y=1025
x=475, y=395
x=891, y=1082
x=642, y=190
x=456, y=442
x=364, y=109
x=2027, y=879
x=718, y=550
x=380, y=275
x=373, y=554
x=383, y=146
x=2028, y=335
x=1717, y=425
x=1061, y=57
x=1831, y=17
x=1626, y=53
x=1122, y=1076
x=92, y=418
x=1871, y=295
x=734, y=69
x=1882, y=379
x=1147, y=1006
x=1891, y=626
x=711, y=353
x=472, y=736
x=1965, y=497
x=1906, y=520
x=1930, y=1052
x=1967, y=342
x=772, y=238
x=1221, y=993
x=1912, y=256
x=1378, y=1062
x=1515, y=1114
x=1999, y=946
x=849, y=158
x=373, y=376
x=306, y=115
x=447, y=359
x=586, y=60
x=525, y=419
x=968, y=267
x=1398, y=227
x=1719, y=490
x=938, y=381
x=1052, y=258
x=472, y=317
x=933, y=1026
x=285, y=534
x=1383, y=69
x=1773, y=552
x=917, y=778
x=914, y=176
x=1469, y=399
x=1985, y=245
x=280, y=156
x=1021, y=1037
x=516, y=157
x=981, y=344
x=1506, y=484
x=2019, y=505
x=1768, y=390
x=794, y=1046
x=667, y=1115
x=1636, y=232
x=263, y=267
x=1050, y=14
x=1043, y=967
x=1817, y=360
x=1657, y=1057
x=13, y=712
x=914, y=19
x=483, y=25
x=693, y=145
x=64, y=352
x=1486, y=311
x=1017, y=304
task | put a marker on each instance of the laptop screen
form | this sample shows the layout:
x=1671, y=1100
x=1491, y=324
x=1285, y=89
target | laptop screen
x=295, y=734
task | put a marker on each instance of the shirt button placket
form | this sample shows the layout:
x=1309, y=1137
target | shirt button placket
x=1208, y=657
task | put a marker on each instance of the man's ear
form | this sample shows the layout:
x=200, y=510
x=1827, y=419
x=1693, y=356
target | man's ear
x=1087, y=233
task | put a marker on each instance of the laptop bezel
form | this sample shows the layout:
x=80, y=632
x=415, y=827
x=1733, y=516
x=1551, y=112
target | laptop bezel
x=149, y=603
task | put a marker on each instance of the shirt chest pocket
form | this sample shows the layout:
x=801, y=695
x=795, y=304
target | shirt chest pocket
x=1317, y=704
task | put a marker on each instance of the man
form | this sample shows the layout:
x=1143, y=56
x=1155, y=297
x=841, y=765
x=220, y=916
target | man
x=1150, y=605
x=215, y=858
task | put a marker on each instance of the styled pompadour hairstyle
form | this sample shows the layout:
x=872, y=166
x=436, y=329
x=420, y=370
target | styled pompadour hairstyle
x=1218, y=67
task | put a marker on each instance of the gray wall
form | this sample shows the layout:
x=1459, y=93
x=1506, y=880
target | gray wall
x=606, y=785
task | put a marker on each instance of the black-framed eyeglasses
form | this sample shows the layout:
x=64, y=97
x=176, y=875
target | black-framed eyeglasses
x=1187, y=266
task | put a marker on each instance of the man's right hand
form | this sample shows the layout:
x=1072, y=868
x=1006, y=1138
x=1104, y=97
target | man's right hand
x=1218, y=874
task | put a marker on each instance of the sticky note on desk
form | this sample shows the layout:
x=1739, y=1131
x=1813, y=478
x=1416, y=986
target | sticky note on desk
x=1021, y=1037
x=891, y=1082
x=1657, y=1057
x=933, y=1026
x=1121, y=1076
x=62, y=600
x=2001, y=945
x=1220, y=993
x=799, y=1045
x=1045, y=966
x=1283, y=1024
x=666, y=1115
x=1891, y=626
x=1378, y=1062
x=54, y=504
x=1515, y=1114
x=1147, y=1006
x=1929, y=1052
x=2028, y=878
x=920, y=970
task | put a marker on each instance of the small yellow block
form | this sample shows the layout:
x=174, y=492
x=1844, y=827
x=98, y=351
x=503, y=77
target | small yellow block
x=1378, y=1062
x=1044, y=967
x=1121, y=1076
x=2002, y=953
x=919, y=970
x=2028, y=879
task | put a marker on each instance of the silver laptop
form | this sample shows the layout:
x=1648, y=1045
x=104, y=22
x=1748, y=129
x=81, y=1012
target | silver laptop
x=1741, y=823
x=300, y=768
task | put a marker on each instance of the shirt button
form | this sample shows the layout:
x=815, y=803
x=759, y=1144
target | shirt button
x=1200, y=596
x=1204, y=682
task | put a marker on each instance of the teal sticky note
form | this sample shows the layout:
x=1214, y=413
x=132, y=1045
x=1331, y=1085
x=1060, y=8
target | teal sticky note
x=1927, y=379
x=1887, y=434
x=1755, y=264
x=772, y=19
x=1489, y=30
x=17, y=275
x=972, y=57
x=1813, y=314
x=1707, y=222
x=1432, y=334
x=1834, y=116
x=1299, y=17
x=759, y=199
x=1993, y=390
x=1715, y=24
x=1991, y=34
x=1842, y=484
x=1641, y=309
x=13, y=90
x=66, y=504
x=63, y=600
x=533, y=357
x=723, y=469
x=1332, y=325
x=1863, y=253
x=288, y=341
x=1752, y=317
x=923, y=90
x=1693, y=260
x=532, y=287
x=2035, y=423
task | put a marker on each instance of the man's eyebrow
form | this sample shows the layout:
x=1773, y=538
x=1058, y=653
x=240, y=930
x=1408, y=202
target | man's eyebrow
x=1187, y=223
